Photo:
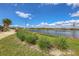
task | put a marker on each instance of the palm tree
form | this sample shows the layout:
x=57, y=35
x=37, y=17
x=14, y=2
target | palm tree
x=6, y=23
x=1, y=28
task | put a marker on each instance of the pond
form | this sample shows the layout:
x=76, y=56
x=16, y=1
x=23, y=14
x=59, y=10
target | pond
x=67, y=33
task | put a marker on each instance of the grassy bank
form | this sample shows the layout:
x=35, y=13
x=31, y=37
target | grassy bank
x=12, y=46
x=72, y=42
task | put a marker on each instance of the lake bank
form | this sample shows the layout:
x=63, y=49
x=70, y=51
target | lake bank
x=54, y=28
x=13, y=46
x=72, y=42
x=66, y=33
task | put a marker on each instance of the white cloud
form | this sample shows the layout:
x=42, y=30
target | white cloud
x=74, y=5
x=76, y=14
x=14, y=25
x=51, y=25
x=23, y=15
x=59, y=24
x=49, y=3
x=15, y=4
x=30, y=17
x=45, y=4
x=42, y=24
x=27, y=25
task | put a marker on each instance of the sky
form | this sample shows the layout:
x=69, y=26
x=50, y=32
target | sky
x=40, y=14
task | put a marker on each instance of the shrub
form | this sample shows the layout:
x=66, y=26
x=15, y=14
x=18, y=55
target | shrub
x=27, y=36
x=21, y=35
x=31, y=38
x=61, y=43
x=43, y=43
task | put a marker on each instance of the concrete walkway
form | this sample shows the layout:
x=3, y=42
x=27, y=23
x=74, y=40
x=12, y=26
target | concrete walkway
x=5, y=34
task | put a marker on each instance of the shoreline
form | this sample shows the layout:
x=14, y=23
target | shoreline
x=54, y=28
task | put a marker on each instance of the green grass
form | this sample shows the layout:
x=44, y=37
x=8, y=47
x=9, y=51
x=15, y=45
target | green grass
x=72, y=42
x=11, y=46
x=74, y=45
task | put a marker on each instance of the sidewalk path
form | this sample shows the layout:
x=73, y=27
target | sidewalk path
x=5, y=34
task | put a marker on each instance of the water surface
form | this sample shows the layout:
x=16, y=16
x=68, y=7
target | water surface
x=67, y=33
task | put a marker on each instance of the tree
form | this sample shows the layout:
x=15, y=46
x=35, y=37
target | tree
x=6, y=23
x=1, y=28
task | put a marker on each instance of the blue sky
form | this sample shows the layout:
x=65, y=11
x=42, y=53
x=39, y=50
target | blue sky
x=38, y=14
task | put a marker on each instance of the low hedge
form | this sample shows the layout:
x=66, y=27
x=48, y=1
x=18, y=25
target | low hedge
x=27, y=36
x=42, y=41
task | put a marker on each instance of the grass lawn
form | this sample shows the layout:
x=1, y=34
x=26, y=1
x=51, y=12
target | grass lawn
x=12, y=46
x=74, y=44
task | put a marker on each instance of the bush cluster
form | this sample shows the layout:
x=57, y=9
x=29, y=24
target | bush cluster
x=43, y=42
x=30, y=38
x=25, y=35
x=61, y=43
x=21, y=34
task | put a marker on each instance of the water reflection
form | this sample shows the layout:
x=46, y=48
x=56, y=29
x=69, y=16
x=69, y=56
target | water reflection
x=67, y=33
